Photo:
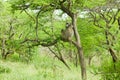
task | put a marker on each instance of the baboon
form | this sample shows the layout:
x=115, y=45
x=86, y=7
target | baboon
x=67, y=33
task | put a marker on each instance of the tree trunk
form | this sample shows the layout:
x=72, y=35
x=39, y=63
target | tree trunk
x=79, y=48
x=77, y=43
x=111, y=51
x=114, y=57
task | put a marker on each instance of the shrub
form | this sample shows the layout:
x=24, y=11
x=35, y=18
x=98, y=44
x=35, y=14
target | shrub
x=4, y=69
x=110, y=71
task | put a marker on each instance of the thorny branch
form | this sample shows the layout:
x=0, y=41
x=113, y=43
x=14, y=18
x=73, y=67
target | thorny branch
x=109, y=16
x=59, y=57
x=30, y=15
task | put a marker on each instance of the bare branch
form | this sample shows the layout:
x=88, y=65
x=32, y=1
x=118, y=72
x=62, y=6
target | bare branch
x=114, y=19
x=29, y=15
x=60, y=58
x=95, y=20
x=38, y=42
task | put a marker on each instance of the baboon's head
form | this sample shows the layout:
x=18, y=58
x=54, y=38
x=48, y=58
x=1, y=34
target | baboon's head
x=68, y=25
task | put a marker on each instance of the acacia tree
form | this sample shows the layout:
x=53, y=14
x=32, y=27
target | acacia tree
x=106, y=18
x=70, y=7
x=73, y=15
x=12, y=28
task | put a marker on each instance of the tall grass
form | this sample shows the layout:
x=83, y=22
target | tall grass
x=42, y=67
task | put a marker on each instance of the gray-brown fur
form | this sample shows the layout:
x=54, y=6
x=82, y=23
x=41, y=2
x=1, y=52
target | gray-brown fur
x=67, y=33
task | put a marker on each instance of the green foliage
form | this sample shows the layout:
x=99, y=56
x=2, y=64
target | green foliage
x=110, y=71
x=91, y=36
x=43, y=67
x=4, y=69
x=14, y=57
x=92, y=3
x=49, y=28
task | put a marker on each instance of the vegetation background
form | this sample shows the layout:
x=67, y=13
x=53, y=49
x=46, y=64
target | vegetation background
x=31, y=47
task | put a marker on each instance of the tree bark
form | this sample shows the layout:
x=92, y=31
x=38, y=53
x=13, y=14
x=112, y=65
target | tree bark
x=114, y=57
x=77, y=43
x=79, y=48
x=111, y=51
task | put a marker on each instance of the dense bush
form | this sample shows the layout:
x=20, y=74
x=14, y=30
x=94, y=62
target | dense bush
x=4, y=69
x=110, y=71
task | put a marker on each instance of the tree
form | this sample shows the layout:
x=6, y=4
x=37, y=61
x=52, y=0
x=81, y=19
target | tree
x=105, y=17
x=77, y=43
x=70, y=7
